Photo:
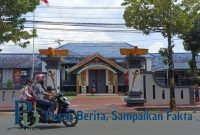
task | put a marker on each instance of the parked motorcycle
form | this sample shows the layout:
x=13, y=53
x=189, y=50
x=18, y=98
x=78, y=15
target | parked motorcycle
x=64, y=114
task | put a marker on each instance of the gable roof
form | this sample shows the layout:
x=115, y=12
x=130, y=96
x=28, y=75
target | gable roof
x=108, y=61
x=106, y=49
x=180, y=61
x=19, y=60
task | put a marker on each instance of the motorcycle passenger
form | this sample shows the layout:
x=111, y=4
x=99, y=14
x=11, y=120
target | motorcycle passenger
x=39, y=93
x=26, y=93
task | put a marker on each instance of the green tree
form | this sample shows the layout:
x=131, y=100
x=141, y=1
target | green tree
x=191, y=42
x=12, y=21
x=170, y=17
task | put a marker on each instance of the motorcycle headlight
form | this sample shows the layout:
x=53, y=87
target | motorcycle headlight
x=65, y=98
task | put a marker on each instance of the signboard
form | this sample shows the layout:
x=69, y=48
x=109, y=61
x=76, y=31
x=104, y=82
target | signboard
x=23, y=73
x=17, y=75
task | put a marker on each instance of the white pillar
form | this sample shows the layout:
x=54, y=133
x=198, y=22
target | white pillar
x=53, y=78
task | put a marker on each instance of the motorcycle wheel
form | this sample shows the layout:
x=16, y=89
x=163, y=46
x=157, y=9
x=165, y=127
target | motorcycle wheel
x=73, y=121
x=30, y=120
x=20, y=122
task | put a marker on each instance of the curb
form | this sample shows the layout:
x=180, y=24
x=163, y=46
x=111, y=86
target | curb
x=7, y=110
x=6, y=113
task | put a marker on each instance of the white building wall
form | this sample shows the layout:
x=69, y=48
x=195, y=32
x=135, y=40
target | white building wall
x=158, y=92
x=148, y=64
x=8, y=97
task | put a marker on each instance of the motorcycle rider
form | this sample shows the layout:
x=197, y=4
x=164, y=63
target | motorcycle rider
x=39, y=93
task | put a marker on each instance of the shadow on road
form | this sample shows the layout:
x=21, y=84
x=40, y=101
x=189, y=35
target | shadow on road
x=39, y=127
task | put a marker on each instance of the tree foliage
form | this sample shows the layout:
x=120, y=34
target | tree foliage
x=191, y=42
x=170, y=17
x=157, y=15
x=164, y=53
x=12, y=21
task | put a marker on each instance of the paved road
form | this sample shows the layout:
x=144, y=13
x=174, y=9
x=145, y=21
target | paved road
x=104, y=128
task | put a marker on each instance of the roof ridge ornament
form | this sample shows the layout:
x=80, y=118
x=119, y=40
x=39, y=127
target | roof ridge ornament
x=51, y=52
x=135, y=51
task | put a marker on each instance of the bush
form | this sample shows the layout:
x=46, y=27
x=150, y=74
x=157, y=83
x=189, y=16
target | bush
x=197, y=80
x=10, y=84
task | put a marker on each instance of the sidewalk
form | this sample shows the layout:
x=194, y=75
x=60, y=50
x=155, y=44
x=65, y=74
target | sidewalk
x=108, y=103
x=166, y=107
x=99, y=103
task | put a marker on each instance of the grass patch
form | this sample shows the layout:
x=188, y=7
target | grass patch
x=69, y=95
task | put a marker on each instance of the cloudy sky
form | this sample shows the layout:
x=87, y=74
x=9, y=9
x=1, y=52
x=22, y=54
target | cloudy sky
x=77, y=21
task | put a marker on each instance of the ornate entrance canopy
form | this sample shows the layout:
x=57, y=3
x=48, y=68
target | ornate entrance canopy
x=96, y=57
x=96, y=74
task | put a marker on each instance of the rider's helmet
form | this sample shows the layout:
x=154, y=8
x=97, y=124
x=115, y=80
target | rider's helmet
x=40, y=78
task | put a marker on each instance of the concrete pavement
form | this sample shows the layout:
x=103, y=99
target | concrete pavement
x=105, y=104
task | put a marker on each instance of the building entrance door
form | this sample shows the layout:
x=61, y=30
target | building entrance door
x=97, y=80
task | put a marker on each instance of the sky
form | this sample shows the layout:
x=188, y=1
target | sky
x=71, y=13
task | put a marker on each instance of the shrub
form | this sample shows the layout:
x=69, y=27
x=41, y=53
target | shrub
x=197, y=80
x=10, y=84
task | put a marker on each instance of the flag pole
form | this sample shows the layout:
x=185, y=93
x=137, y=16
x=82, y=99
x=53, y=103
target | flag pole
x=33, y=53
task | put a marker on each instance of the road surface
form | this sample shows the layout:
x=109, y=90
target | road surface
x=110, y=127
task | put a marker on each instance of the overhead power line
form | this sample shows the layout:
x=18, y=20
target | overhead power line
x=52, y=12
x=89, y=7
x=90, y=30
x=76, y=17
x=94, y=25
x=78, y=23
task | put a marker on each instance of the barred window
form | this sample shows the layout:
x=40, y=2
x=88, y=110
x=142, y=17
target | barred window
x=163, y=94
x=154, y=92
x=182, y=94
x=3, y=95
x=13, y=95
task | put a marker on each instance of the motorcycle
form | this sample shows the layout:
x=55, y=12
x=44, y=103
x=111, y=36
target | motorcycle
x=64, y=114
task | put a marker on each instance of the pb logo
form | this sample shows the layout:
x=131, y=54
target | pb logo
x=24, y=115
